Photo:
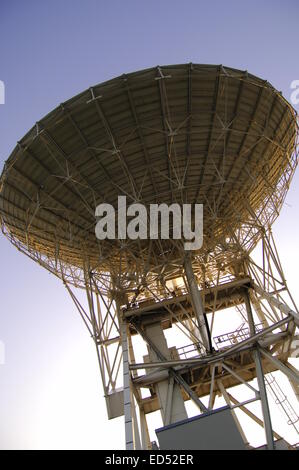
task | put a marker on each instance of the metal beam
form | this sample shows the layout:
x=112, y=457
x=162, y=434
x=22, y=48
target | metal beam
x=250, y=414
x=264, y=400
x=275, y=303
x=196, y=302
x=231, y=287
x=294, y=376
x=260, y=378
x=215, y=357
x=227, y=400
x=172, y=372
x=127, y=391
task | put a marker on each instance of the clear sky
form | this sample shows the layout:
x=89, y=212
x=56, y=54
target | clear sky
x=50, y=393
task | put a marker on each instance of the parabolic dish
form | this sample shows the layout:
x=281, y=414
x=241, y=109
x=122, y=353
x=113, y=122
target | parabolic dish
x=181, y=133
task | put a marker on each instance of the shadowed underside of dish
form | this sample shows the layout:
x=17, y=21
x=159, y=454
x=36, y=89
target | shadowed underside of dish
x=183, y=133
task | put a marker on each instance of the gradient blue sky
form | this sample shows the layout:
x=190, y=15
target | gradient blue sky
x=50, y=394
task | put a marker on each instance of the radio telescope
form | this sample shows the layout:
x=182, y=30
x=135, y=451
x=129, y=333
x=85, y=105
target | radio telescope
x=173, y=134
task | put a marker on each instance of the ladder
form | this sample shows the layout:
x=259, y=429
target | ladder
x=282, y=401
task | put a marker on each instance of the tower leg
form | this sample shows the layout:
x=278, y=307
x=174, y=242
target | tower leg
x=294, y=385
x=127, y=392
x=264, y=400
x=260, y=379
x=145, y=438
x=136, y=434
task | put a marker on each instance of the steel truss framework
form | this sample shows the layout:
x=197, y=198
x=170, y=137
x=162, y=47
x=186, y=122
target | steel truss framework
x=188, y=133
x=269, y=340
x=260, y=294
